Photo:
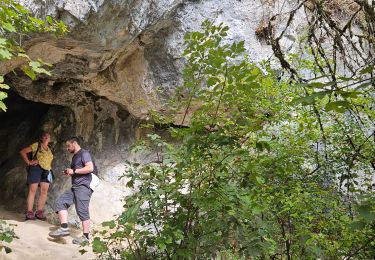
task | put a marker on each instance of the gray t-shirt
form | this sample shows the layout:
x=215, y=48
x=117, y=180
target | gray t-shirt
x=78, y=162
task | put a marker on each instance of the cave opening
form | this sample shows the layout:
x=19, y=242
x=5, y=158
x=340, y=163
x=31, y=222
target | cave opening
x=20, y=126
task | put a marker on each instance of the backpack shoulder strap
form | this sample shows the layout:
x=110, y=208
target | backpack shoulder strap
x=36, y=152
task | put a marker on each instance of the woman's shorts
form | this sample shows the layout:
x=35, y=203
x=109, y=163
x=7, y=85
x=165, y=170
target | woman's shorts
x=35, y=175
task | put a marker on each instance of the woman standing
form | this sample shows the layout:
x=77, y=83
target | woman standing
x=38, y=169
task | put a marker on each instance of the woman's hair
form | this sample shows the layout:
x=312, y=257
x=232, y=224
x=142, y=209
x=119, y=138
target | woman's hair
x=43, y=134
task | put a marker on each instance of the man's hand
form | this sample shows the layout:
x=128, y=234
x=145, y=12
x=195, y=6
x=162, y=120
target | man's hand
x=68, y=172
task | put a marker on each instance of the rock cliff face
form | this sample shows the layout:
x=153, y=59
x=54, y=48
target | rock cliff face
x=121, y=59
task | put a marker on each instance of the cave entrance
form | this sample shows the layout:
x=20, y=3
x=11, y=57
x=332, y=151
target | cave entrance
x=20, y=126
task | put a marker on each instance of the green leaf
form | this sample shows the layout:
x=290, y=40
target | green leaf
x=367, y=70
x=99, y=246
x=3, y=41
x=319, y=84
x=363, y=85
x=309, y=100
x=366, y=212
x=3, y=95
x=238, y=47
x=349, y=94
x=49, y=19
x=168, y=240
x=338, y=106
x=82, y=251
x=29, y=72
x=3, y=106
x=5, y=54
x=259, y=179
x=162, y=246
x=4, y=86
x=35, y=64
x=212, y=81
x=130, y=184
x=9, y=27
x=24, y=55
x=42, y=71
x=262, y=145
x=356, y=225
x=111, y=224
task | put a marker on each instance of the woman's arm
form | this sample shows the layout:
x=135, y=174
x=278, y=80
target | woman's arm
x=24, y=153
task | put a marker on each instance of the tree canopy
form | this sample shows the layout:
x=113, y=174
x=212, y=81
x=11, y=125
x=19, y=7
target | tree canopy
x=17, y=25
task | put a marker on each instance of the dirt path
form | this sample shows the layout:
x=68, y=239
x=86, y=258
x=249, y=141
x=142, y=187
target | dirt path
x=34, y=242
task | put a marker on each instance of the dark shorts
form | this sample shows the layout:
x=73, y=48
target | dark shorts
x=35, y=175
x=80, y=196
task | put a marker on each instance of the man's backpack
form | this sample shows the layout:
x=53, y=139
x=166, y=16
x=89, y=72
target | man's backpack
x=94, y=175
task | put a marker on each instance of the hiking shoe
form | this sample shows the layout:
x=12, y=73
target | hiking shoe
x=39, y=214
x=81, y=240
x=30, y=215
x=60, y=232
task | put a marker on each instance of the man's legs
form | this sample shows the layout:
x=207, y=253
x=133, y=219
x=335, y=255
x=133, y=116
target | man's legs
x=62, y=205
x=86, y=226
x=63, y=216
x=82, y=196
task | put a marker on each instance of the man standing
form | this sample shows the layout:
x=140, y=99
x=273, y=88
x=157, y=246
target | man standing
x=80, y=171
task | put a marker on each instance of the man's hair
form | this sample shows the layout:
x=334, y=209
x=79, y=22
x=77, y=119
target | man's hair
x=74, y=139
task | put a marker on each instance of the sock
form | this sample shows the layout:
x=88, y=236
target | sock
x=64, y=225
x=86, y=235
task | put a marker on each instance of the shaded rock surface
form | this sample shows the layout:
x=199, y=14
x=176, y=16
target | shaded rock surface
x=121, y=59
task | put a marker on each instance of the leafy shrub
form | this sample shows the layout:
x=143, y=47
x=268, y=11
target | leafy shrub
x=256, y=175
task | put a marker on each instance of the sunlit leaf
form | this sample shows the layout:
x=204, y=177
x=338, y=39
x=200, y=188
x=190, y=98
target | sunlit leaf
x=3, y=106
x=29, y=72
x=5, y=54
x=8, y=26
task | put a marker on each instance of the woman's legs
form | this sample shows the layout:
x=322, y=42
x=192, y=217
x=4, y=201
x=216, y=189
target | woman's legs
x=31, y=196
x=43, y=195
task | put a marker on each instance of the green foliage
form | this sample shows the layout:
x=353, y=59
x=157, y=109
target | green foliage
x=341, y=92
x=256, y=175
x=17, y=23
x=6, y=233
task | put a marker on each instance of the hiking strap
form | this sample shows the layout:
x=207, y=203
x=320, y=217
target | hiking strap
x=36, y=152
